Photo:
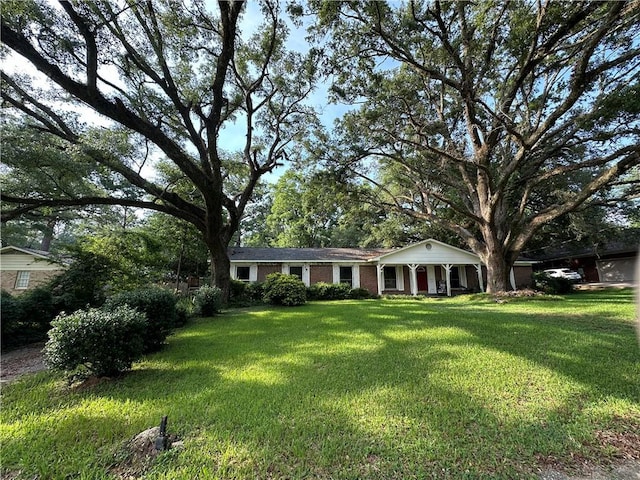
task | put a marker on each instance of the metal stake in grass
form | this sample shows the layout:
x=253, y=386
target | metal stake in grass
x=162, y=442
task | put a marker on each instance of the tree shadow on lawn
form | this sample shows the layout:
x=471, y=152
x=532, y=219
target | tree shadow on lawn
x=373, y=422
x=604, y=360
x=600, y=353
x=362, y=390
x=313, y=394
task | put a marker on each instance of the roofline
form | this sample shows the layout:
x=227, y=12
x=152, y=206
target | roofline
x=24, y=250
x=517, y=263
x=526, y=262
x=592, y=253
x=300, y=261
x=379, y=257
x=429, y=240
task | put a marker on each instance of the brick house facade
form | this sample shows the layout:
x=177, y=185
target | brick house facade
x=22, y=269
x=425, y=268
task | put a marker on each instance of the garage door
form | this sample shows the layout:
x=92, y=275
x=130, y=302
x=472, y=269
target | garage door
x=618, y=270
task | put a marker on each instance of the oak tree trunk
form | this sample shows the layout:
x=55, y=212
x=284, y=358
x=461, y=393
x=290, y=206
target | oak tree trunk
x=498, y=259
x=220, y=267
x=498, y=272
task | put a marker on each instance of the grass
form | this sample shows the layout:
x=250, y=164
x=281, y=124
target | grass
x=442, y=388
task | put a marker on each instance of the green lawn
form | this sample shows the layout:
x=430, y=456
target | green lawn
x=444, y=388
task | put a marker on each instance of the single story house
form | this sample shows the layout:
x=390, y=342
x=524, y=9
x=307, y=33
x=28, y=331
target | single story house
x=611, y=263
x=429, y=267
x=25, y=268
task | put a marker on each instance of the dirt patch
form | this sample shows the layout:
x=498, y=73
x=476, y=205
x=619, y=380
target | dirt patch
x=16, y=363
x=622, y=463
x=625, y=470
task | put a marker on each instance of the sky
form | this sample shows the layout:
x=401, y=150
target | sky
x=233, y=135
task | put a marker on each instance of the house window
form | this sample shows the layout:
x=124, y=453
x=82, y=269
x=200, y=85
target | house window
x=346, y=275
x=22, y=280
x=390, y=280
x=297, y=271
x=243, y=273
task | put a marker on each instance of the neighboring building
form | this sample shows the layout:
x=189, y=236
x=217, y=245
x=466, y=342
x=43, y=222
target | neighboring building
x=611, y=263
x=24, y=268
x=429, y=267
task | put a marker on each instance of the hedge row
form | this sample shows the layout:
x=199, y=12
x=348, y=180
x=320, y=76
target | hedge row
x=282, y=289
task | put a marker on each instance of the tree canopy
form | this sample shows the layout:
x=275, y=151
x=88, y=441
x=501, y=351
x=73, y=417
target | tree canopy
x=491, y=119
x=170, y=78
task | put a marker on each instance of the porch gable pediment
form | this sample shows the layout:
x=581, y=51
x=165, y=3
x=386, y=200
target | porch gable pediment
x=428, y=252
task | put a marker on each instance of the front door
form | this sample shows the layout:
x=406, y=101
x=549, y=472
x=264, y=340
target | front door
x=422, y=280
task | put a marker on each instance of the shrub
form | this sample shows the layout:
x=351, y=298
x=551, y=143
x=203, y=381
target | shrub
x=37, y=312
x=37, y=308
x=83, y=283
x=96, y=341
x=238, y=290
x=184, y=311
x=11, y=314
x=207, y=300
x=158, y=305
x=361, y=293
x=329, y=291
x=551, y=285
x=283, y=289
x=246, y=294
x=255, y=292
x=26, y=318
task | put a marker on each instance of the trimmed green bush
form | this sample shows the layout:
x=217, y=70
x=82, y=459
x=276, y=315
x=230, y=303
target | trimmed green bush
x=96, y=341
x=551, y=285
x=329, y=291
x=207, y=301
x=158, y=305
x=361, y=294
x=283, y=289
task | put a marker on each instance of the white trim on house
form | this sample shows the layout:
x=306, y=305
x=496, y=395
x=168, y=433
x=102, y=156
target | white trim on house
x=421, y=257
x=306, y=272
x=432, y=288
x=33, y=253
x=253, y=272
x=355, y=273
x=427, y=252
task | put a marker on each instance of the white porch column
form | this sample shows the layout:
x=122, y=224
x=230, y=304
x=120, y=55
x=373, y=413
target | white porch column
x=306, y=274
x=512, y=279
x=380, y=269
x=480, y=281
x=432, y=286
x=447, y=269
x=413, y=279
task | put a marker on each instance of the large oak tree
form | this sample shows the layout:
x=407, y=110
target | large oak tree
x=172, y=76
x=491, y=119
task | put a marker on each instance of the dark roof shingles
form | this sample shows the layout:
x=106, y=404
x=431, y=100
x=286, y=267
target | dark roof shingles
x=239, y=254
